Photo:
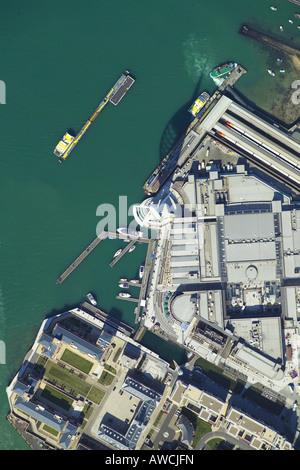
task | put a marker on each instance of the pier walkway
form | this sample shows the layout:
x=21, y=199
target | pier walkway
x=81, y=257
x=144, y=282
x=102, y=236
x=114, y=96
x=123, y=252
x=129, y=299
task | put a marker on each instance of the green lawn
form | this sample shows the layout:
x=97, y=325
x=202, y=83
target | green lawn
x=201, y=427
x=50, y=430
x=76, y=361
x=95, y=395
x=214, y=443
x=57, y=397
x=110, y=369
x=64, y=377
x=106, y=378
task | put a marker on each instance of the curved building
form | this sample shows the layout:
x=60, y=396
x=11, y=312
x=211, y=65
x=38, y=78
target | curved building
x=184, y=307
x=154, y=212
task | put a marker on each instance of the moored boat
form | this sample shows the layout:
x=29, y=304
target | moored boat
x=123, y=280
x=63, y=144
x=199, y=103
x=117, y=253
x=271, y=72
x=124, y=294
x=134, y=281
x=91, y=299
x=124, y=285
x=220, y=73
x=141, y=271
x=131, y=248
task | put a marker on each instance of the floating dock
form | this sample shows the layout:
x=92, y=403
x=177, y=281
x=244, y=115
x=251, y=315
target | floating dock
x=116, y=93
x=130, y=299
x=125, y=250
x=81, y=257
x=102, y=236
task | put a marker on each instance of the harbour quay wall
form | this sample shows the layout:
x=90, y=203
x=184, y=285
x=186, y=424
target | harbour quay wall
x=270, y=41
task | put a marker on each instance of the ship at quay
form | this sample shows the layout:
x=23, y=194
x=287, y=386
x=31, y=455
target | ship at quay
x=214, y=282
x=114, y=96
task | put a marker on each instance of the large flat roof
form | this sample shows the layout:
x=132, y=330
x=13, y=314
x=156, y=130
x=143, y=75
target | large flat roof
x=249, y=226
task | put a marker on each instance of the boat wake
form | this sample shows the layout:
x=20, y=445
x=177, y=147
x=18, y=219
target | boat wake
x=195, y=57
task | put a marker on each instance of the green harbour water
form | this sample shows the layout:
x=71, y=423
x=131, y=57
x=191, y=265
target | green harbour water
x=58, y=60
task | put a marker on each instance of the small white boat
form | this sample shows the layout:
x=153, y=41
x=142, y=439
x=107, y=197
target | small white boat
x=279, y=60
x=123, y=280
x=290, y=21
x=273, y=8
x=117, y=253
x=124, y=285
x=134, y=281
x=271, y=73
x=141, y=271
x=131, y=248
x=124, y=294
x=281, y=28
x=281, y=70
x=91, y=299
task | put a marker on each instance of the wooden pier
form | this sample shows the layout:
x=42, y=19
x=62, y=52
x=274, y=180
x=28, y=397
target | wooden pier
x=125, y=250
x=103, y=235
x=130, y=299
x=81, y=257
x=144, y=282
x=133, y=284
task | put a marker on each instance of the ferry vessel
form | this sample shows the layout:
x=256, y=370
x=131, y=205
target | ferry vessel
x=199, y=103
x=114, y=96
x=63, y=144
x=220, y=73
x=91, y=299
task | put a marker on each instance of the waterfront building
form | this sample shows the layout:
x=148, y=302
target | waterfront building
x=224, y=280
x=223, y=416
